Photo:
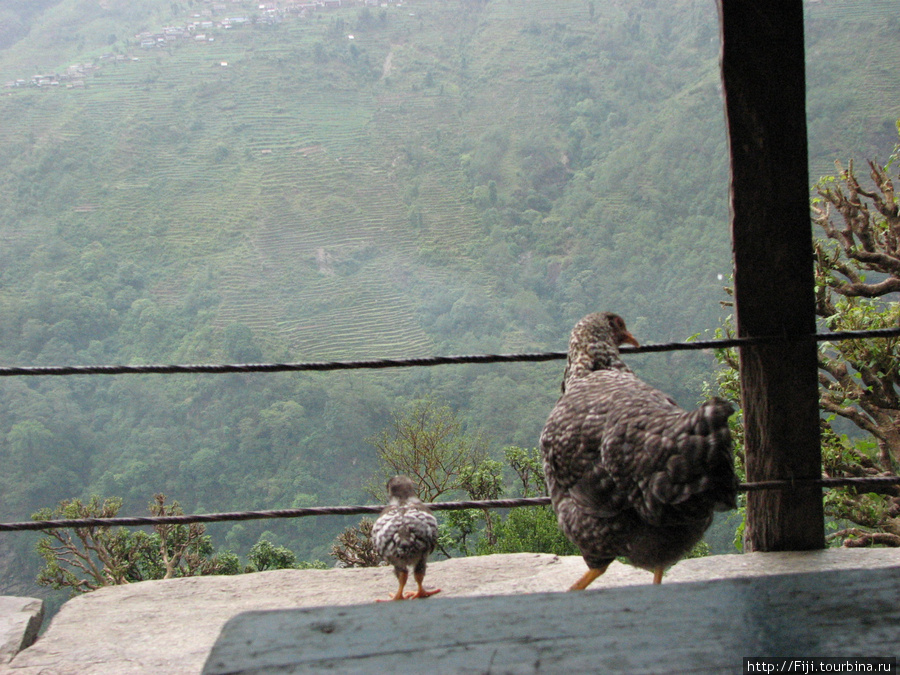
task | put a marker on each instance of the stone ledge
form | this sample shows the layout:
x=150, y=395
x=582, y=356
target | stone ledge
x=171, y=626
x=20, y=621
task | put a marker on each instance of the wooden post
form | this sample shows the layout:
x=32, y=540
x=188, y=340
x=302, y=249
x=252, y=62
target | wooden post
x=765, y=93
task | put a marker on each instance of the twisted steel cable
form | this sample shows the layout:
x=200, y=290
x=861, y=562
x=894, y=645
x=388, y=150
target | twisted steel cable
x=69, y=523
x=10, y=371
x=33, y=371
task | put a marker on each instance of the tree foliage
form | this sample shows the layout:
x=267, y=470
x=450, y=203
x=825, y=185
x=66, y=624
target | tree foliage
x=857, y=269
x=857, y=279
x=264, y=555
x=86, y=558
x=466, y=531
x=354, y=547
x=183, y=550
x=428, y=443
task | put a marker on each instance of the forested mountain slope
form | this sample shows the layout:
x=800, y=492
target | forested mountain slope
x=363, y=182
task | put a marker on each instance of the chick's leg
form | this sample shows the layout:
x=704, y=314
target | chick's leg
x=419, y=574
x=402, y=576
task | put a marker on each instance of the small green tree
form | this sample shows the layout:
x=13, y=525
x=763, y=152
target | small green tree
x=428, y=443
x=184, y=550
x=482, y=483
x=264, y=555
x=533, y=528
x=354, y=547
x=86, y=558
x=458, y=531
x=267, y=556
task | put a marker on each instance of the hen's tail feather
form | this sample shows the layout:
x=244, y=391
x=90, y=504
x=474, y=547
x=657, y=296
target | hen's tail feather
x=702, y=465
x=720, y=456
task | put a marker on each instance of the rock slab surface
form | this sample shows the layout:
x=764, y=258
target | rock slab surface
x=20, y=620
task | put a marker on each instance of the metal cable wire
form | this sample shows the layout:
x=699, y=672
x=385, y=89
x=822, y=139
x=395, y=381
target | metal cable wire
x=410, y=362
x=69, y=523
x=14, y=371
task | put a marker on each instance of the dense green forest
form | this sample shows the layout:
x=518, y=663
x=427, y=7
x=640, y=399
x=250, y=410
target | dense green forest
x=436, y=177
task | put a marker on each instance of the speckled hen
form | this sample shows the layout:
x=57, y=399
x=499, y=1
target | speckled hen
x=404, y=535
x=629, y=472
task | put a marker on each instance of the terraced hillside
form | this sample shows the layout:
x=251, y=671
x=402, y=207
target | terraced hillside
x=853, y=106
x=321, y=169
x=281, y=180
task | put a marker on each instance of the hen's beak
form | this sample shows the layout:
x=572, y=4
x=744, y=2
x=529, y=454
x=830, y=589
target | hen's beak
x=626, y=337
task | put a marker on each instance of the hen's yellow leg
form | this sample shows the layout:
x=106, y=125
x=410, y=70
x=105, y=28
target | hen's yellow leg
x=588, y=577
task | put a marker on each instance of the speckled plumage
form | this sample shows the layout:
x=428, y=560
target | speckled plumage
x=629, y=472
x=405, y=534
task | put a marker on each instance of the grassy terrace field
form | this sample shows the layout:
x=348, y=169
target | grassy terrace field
x=282, y=173
x=853, y=86
x=324, y=183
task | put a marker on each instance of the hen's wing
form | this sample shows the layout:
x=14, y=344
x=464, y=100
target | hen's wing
x=613, y=443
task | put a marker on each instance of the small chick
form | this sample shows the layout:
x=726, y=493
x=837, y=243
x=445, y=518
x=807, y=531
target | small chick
x=404, y=535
